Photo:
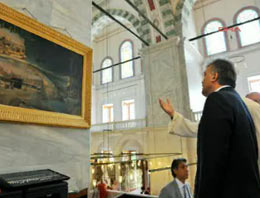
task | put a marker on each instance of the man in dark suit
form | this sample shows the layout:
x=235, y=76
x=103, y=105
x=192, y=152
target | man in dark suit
x=227, y=148
x=178, y=188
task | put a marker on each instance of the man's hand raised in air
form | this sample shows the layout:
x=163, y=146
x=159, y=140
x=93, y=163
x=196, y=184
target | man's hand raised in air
x=167, y=107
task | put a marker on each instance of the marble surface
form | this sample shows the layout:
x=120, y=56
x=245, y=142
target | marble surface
x=165, y=77
x=64, y=16
x=28, y=147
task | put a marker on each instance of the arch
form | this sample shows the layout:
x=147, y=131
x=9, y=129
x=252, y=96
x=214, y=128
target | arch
x=183, y=10
x=235, y=21
x=128, y=142
x=145, y=27
x=102, y=146
x=222, y=22
x=99, y=21
x=103, y=71
x=168, y=18
x=120, y=58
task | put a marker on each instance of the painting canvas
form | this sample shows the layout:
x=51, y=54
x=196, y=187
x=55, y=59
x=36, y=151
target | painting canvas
x=42, y=73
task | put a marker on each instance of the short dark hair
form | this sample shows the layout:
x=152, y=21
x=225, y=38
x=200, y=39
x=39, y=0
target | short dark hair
x=226, y=72
x=175, y=164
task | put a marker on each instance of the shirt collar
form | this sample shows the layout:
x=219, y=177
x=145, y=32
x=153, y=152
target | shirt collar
x=224, y=86
x=180, y=184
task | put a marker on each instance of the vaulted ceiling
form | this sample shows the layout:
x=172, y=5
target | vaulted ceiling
x=168, y=15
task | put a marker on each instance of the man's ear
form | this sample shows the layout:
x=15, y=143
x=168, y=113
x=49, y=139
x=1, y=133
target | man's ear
x=214, y=77
x=174, y=170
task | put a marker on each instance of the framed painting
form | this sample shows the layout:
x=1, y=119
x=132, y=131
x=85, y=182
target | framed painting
x=45, y=76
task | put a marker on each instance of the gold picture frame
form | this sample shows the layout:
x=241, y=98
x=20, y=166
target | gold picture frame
x=45, y=76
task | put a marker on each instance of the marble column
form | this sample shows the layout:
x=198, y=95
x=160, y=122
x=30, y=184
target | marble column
x=165, y=77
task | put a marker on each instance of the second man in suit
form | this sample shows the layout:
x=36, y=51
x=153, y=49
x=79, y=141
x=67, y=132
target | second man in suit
x=178, y=188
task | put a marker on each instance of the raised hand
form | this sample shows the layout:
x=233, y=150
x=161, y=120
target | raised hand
x=167, y=107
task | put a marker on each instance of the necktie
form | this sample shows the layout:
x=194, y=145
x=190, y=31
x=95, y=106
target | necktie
x=185, y=192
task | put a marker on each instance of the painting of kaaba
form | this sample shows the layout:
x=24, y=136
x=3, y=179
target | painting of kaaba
x=42, y=73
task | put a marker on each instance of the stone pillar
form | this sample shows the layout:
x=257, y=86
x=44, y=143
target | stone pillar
x=165, y=77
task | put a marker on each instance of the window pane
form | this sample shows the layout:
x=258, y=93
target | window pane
x=107, y=73
x=215, y=43
x=126, y=53
x=128, y=110
x=108, y=114
x=249, y=32
x=254, y=83
x=132, y=111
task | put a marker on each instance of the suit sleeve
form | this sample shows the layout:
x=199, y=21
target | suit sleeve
x=214, y=131
x=182, y=126
x=164, y=194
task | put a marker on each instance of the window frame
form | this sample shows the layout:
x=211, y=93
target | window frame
x=129, y=113
x=120, y=59
x=235, y=21
x=108, y=104
x=112, y=69
x=249, y=78
x=225, y=36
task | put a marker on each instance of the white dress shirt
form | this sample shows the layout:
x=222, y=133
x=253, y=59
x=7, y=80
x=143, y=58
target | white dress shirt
x=181, y=188
x=224, y=86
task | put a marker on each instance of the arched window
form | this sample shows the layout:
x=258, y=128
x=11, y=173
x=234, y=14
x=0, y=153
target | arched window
x=106, y=74
x=248, y=33
x=214, y=43
x=126, y=53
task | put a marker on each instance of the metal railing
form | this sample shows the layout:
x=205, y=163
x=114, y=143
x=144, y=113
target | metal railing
x=130, y=124
x=121, y=125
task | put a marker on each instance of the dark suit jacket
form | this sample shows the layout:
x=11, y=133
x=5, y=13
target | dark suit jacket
x=227, y=149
